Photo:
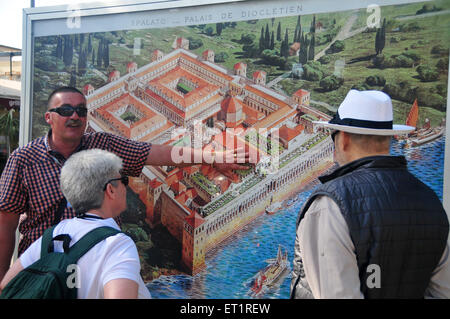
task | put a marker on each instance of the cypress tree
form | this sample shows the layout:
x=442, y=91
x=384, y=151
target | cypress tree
x=313, y=25
x=380, y=38
x=311, y=48
x=219, y=28
x=68, y=50
x=279, y=31
x=90, y=44
x=303, y=54
x=106, y=54
x=286, y=44
x=261, y=40
x=272, y=41
x=100, y=54
x=59, y=48
x=267, y=38
x=383, y=35
x=377, y=42
x=299, y=34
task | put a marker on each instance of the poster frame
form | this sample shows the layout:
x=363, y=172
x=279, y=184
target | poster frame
x=37, y=22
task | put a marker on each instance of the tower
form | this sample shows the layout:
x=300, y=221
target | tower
x=194, y=243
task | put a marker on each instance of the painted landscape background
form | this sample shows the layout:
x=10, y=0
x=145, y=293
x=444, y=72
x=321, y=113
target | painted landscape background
x=338, y=51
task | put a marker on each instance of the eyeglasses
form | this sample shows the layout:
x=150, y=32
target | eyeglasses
x=67, y=110
x=123, y=179
x=333, y=135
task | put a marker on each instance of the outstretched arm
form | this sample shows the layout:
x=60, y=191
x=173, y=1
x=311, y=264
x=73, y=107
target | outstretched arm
x=166, y=155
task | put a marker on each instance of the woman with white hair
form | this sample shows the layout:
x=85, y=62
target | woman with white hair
x=92, y=183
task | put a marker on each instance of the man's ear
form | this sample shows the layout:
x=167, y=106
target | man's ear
x=110, y=191
x=48, y=118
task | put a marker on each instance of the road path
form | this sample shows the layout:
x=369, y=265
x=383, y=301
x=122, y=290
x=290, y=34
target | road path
x=345, y=33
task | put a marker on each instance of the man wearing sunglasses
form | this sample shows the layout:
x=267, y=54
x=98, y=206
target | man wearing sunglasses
x=30, y=181
x=93, y=182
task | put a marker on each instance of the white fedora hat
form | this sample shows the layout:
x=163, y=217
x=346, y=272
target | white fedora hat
x=367, y=113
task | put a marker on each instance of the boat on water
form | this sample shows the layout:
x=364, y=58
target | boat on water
x=423, y=135
x=427, y=136
x=273, y=208
x=268, y=276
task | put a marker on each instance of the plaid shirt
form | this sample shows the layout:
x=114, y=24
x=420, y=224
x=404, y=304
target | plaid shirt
x=30, y=181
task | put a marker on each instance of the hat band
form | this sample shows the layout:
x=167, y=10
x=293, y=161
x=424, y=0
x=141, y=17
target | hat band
x=381, y=125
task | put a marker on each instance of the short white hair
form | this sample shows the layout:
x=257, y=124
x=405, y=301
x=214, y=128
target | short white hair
x=84, y=176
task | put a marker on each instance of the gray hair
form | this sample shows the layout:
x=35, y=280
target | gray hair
x=84, y=176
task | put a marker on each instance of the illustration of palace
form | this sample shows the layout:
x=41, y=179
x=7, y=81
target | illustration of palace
x=183, y=99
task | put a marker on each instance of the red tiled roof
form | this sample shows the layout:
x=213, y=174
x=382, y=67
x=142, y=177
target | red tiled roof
x=288, y=134
x=154, y=183
x=301, y=93
x=239, y=65
x=195, y=220
x=231, y=104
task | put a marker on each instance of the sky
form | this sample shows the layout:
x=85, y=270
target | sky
x=11, y=18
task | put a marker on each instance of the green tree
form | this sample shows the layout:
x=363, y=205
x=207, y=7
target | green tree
x=219, y=28
x=9, y=127
x=279, y=31
x=93, y=57
x=59, y=48
x=311, y=48
x=68, y=50
x=272, y=41
x=285, y=48
x=303, y=53
x=331, y=83
x=380, y=38
x=106, y=54
x=267, y=37
x=313, y=25
x=299, y=25
x=82, y=62
x=90, y=44
x=261, y=40
x=100, y=54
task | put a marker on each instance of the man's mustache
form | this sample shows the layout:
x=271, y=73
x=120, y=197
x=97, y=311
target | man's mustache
x=74, y=123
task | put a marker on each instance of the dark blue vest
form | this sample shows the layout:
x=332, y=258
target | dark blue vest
x=395, y=222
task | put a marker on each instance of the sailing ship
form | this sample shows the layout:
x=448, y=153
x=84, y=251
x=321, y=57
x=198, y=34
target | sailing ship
x=273, y=208
x=423, y=135
x=271, y=273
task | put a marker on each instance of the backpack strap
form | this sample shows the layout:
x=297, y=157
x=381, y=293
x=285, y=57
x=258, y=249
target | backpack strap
x=47, y=238
x=89, y=240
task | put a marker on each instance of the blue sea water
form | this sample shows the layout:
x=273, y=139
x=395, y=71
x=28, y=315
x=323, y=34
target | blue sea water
x=231, y=267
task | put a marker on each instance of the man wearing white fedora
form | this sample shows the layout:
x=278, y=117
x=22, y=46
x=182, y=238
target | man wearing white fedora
x=370, y=229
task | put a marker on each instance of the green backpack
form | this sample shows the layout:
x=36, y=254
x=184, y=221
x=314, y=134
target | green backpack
x=51, y=276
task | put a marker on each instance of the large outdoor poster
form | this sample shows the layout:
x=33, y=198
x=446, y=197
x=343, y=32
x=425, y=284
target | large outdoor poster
x=258, y=78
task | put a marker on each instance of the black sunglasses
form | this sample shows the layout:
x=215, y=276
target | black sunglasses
x=123, y=179
x=67, y=110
